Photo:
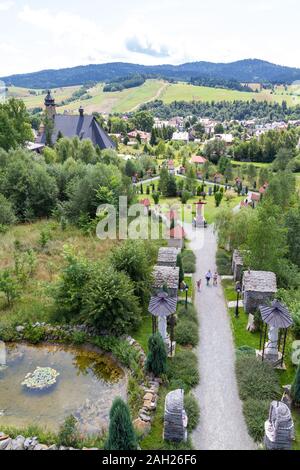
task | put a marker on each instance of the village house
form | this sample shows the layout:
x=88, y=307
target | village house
x=198, y=160
x=134, y=135
x=181, y=137
x=83, y=126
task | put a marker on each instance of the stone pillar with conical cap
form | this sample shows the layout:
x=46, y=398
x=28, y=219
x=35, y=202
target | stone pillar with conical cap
x=50, y=105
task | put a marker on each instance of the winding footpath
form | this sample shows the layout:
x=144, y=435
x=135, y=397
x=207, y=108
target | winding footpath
x=222, y=425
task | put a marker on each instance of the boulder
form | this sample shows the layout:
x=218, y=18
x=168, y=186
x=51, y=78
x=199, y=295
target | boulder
x=18, y=443
x=4, y=444
x=142, y=427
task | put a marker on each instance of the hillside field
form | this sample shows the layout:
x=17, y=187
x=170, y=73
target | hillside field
x=130, y=99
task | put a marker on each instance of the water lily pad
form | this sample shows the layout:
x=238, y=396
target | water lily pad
x=41, y=379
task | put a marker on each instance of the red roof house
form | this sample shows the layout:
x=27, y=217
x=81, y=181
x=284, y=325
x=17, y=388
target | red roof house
x=198, y=160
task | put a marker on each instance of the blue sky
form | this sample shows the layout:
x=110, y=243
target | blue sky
x=35, y=35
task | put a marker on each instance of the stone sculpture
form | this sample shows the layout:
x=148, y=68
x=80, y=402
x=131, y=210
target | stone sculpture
x=175, y=423
x=279, y=429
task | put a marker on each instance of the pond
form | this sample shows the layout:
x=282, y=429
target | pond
x=86, y=386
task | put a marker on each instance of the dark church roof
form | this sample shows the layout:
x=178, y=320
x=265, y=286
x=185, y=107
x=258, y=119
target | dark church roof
x=81, y=125
x=84, y=127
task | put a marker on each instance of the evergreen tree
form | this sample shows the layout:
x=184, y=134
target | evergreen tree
x=121, y=432
x=296, y=387
x=181, y=270
x=157, y=356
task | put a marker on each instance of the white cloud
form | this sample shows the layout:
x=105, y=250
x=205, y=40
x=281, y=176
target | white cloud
x=5, y=6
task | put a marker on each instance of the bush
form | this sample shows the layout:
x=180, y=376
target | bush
x=132, y=258
x=242, y=350
x=224, y=262
x=121, y=433
x=34, y=335
x=157, y=356
x=192, y=410
x=256, y=379
x=7, y=215
x=186, y=333
x=188, y=261
x=188, y=313
x=68, y=435
x=184, y=367
x=109, y=303
x=296, y=325
x=256, y=413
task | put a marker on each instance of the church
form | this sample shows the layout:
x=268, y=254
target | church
x=82, y=126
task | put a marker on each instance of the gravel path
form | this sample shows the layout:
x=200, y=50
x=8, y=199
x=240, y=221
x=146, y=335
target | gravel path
x=222, y=425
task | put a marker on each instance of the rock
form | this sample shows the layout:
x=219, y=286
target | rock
x=141, y=427
x=18, y=443
x=30, y=443
x=20, y=329
x=149, y=405
x=149, y=396
x=3, y=436
x=53, y=447
x=5, y=443
x=145, y=417
x=41, y=447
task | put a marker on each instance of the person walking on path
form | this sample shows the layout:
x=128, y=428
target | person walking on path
x=208, y=277
x=216, y=275
x=199, y=283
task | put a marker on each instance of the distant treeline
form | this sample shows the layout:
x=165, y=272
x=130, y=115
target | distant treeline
x=224, y=110
x=220, y=83
x=123, y=83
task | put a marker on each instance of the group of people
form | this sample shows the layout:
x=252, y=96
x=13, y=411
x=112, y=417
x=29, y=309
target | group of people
x=208, y=276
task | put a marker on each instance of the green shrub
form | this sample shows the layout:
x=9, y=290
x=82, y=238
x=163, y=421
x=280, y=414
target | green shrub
x=256, y=379
x=121, y=433
x=224, y=262
x=186, y=333
x=256, y=413
x=79, y=337
x=109, y=302
x=242, y=350
x=188, y=261
x=157, y=356
x=33, y=334
x=189, y=313
x=8, y=333
x=184, y=367
x=68, y=435
x=296, y=325
x=192, y=410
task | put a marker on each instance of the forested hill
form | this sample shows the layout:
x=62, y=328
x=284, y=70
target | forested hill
x=250, y=70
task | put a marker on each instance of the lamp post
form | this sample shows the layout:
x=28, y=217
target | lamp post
x=238, y=292
x=186, y=296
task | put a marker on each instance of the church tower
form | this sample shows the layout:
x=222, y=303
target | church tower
x=50, y=106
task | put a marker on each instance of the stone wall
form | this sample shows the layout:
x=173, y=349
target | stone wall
x=252, y=300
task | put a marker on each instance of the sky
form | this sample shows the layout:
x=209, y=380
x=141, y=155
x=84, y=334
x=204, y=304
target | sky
x=37, y=35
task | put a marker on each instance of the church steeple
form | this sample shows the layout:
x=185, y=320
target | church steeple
x=50, y=105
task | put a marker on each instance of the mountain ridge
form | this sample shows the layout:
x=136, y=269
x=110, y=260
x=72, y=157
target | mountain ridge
x=245, y=70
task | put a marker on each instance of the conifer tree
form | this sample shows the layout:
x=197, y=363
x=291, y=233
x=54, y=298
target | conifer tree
x=157, y=356
x=121, y=432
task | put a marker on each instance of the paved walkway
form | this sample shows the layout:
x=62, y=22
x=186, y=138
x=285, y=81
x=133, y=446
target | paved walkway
x=222, y=425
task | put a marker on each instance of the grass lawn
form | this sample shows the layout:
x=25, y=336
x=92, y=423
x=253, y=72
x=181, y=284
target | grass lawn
x=256, y=164
x=37, y=101
x=144, y=332
x=188, y=213
x=186, y=92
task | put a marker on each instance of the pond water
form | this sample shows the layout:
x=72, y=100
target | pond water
x=87, y=384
